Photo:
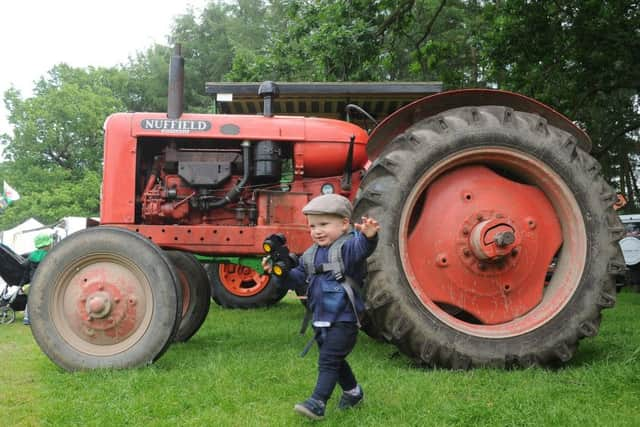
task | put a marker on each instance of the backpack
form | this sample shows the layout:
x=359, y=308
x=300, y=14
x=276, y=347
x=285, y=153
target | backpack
x=335, y=266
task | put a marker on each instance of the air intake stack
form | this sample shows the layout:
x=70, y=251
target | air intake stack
x=268, y=91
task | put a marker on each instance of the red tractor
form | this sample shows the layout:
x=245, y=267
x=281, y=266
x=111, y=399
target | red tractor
x=498, y=244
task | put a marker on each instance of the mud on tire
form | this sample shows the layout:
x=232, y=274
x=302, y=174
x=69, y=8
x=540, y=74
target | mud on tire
x=522, y=149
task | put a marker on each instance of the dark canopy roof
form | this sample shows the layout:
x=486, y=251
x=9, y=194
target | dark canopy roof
x=321, y=99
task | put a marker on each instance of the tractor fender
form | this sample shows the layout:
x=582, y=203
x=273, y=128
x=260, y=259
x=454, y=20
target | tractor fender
x=432, y=105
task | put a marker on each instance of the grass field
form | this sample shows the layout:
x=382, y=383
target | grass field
x=242, y=369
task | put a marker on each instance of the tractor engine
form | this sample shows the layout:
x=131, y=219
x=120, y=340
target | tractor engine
x=195, y=185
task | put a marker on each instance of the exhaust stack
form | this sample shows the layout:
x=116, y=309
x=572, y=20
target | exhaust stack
x=175, y=106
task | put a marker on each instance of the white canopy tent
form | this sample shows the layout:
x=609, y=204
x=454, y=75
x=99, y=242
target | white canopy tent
x=20, y=238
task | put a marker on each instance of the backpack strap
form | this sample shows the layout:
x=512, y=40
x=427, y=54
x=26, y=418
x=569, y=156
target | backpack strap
x=336, y=265
x=308, y=258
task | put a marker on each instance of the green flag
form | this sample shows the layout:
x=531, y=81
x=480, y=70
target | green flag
x=10, y=195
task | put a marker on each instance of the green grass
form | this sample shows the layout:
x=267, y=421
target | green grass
x=242, y=369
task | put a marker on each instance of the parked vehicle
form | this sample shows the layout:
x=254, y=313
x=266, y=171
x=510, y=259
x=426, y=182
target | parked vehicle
x=14, y=272
x=630, y=246
x=477, y=191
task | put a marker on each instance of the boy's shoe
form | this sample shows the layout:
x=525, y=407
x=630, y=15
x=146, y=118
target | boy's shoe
x=349, y=401
x=311, y=408
x=26, y=322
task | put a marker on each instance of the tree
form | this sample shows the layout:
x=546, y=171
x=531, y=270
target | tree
x=61, y=125
x=360, y=40
x=49, y=194
x=147, y=79
x=580, y=56
x=315, y=41
x=55, y=152
x=208, y=52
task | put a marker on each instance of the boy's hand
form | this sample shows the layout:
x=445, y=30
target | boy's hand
x=369, y=227
x=266, y=265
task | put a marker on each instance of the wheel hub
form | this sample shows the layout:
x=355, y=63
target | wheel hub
x=102, y=304
x=478, y=249
x=492, y=239
x=104, y=307
x=488, y=243
x=98, y=305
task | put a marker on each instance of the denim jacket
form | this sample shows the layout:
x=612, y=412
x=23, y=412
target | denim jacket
x=326, y=297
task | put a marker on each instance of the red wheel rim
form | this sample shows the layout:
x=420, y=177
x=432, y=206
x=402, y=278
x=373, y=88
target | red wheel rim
x=102, y=304
x=450, y=228
x=241, y=280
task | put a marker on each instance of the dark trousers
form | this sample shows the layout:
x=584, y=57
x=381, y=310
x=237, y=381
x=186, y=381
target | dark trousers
x=335, y=343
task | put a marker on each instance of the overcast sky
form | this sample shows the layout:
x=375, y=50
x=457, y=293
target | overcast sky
x=36, y=35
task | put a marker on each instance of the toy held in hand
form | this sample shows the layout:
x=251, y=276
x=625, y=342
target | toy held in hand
x=281, y=260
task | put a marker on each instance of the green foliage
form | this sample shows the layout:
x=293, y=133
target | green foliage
x=242, y=369
x=49, y=194
x=55, y=153
x=326, y=41
x=61, y=125
x=148, y=74
x=581, y=58
x=207, y=51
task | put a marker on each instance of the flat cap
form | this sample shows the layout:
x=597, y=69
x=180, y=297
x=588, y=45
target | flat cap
x=329, y=204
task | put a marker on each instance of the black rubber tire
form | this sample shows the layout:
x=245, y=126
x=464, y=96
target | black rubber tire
x=269, y=296
x=632, y=277
x=392, y=307
x=52, y=326
x=197, y=298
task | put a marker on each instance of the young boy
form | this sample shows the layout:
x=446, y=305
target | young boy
x=331, y=297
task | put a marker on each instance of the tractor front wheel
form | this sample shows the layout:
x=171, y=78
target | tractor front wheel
x=104, y=298
x=498, y=241
x=196, y=293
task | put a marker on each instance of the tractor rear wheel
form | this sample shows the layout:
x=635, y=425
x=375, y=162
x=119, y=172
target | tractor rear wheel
x=104, y=298
x=196, y=293
x=498, y=241
x=239, y=286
